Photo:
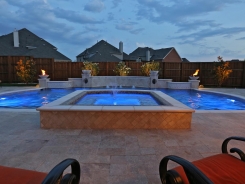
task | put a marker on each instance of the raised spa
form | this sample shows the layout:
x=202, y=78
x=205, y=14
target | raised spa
x=68, y=112
x=121, y=98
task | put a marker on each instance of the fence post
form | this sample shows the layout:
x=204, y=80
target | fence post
x=52, y=68
x=9, y=69
x=200, y=69
x=107, y=68
x=181, y=72
x=243, y=75
x=164, y=70
x=69, y=69
x=137, y=68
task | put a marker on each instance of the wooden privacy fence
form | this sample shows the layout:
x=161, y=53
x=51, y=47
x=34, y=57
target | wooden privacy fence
x=179, y=72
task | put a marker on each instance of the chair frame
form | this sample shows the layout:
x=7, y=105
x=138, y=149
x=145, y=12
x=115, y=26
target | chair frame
x=193, y=174
x=56, y=174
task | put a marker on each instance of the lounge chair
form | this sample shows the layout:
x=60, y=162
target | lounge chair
x=21, y=176
x=222, y=168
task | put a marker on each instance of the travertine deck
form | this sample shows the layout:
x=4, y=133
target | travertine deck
x=112, y=156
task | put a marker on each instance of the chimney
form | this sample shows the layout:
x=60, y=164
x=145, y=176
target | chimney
x=147, y=55
x=16, y=38
x=121, y=46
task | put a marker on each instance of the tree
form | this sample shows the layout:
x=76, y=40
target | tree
x=221, y=71
x=26, y=70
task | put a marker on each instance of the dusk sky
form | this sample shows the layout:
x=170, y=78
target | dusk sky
x=200, y=30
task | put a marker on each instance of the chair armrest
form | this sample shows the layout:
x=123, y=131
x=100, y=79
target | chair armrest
x=193, y=174
x=56, y=173
x=233, y=150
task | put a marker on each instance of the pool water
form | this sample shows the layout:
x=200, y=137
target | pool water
x=197, y=100
x=201, y=100
x=117, y=99
x=32, y=99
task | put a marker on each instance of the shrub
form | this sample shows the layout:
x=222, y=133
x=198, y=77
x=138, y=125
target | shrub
x=26, y=70
x=121, y=69
x=221, y=71
x=94, y=67
x=150, y=66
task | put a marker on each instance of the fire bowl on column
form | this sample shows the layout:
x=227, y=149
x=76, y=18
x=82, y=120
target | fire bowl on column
x=193, y=77
x=43, y=76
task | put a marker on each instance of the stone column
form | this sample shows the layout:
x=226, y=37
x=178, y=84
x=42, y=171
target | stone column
x=194, y=84
x=154, y=79
x=43, y=82
x=86, y=79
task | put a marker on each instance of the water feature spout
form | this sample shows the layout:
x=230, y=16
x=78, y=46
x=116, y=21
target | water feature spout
x=85, y=80
x=154, y=81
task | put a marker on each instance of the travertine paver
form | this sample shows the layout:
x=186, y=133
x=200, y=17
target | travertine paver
x=112, y=156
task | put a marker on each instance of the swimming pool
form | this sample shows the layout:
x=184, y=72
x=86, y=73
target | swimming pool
x=198, y=100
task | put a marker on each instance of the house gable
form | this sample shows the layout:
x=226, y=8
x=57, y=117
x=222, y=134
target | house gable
x=102, y=51
x=29, y=45
x=159, y=54
x=172, y=56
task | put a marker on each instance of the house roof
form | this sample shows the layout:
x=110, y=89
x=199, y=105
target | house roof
x=140, y=52
x=102, y=51
x=29, y=45
x=161, y=53
x=185, y=60
x=155, y=54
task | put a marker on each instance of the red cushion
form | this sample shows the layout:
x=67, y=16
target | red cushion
x=21, y=176
x=220, y=169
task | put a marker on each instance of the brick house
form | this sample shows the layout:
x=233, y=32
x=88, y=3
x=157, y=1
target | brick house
x=149, y=54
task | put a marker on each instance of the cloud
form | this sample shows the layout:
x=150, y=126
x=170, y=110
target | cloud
x=116, y=3
x=95, y=6
x=140, y=44
x=125, y=27
x=137, y=31
x=72, y=16
x=92, y=28
x=242, y=38
x=229, y=54
x=195, y=25
x=39, y=7
x=207, y=33
x=129, y=26
x=110, y=16
x=178, y=11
